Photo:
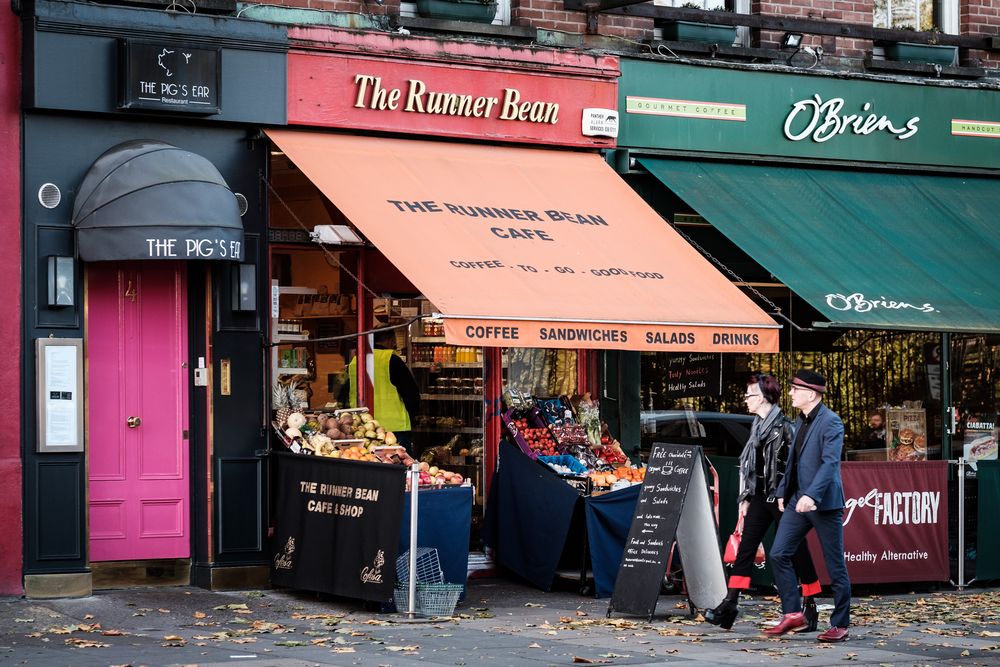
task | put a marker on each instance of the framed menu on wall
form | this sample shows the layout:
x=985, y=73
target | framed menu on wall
x=59, y=384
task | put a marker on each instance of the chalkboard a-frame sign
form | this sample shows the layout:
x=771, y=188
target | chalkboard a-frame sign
x=674, y=504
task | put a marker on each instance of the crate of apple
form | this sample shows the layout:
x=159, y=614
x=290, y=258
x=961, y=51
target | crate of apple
x=540, y=440
x=434, y=476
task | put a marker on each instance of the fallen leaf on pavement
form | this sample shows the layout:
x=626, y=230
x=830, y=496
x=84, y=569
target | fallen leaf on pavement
x=199, y=614
x=534, y=645
x=85, y=643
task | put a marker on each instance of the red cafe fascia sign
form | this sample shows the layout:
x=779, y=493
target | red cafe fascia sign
x=419, y=99
x=354, y=91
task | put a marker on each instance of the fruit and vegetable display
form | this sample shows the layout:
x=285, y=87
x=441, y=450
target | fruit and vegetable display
x=352, y=435
x=547, y=430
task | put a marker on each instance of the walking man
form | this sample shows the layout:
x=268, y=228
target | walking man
x=811, y=495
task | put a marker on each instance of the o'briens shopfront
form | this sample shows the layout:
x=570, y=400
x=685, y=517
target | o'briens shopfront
x=487, y=229
x=872, y=202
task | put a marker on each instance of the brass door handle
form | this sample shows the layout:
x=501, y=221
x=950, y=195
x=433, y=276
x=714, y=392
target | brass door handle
x=133, y=422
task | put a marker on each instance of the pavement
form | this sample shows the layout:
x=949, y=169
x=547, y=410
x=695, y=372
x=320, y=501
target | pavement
x=501, y=622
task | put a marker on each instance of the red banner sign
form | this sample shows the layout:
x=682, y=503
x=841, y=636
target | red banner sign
x=895, y=522
x=384, y=94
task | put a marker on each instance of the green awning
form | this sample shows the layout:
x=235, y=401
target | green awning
x=867, y=249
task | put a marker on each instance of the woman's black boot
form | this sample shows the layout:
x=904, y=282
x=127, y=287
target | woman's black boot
x=724, y=615
x=811, y=614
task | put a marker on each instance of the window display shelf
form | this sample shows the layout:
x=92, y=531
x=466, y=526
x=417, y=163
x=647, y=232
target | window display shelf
x=292, y=371
x=427, y=339
x=451, y=397
x=296, y=290
x=281, y=338
x=325, y=317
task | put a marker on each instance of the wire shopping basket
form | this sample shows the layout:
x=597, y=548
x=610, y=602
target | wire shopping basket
x=432, y=599
x=428, y=567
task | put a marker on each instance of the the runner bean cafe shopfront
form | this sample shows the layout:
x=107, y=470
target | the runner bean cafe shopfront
x=874, y=202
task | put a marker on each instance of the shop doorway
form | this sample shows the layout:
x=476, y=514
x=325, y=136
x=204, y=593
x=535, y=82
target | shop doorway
x=138, y=411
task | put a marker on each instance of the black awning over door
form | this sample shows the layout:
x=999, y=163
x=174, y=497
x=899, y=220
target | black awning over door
x=146, y=199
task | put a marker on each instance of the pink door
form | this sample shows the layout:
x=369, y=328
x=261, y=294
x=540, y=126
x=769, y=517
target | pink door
x=136, y=346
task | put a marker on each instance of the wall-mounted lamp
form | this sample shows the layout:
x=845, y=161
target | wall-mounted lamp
x=61, y=281
x=244, y=281
x=335, y=235
x=791, y=40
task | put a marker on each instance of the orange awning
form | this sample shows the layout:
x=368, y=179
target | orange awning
x=524, y=247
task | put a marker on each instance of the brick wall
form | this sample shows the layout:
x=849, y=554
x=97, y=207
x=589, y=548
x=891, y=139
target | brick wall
x=980, y=17
x=844, y=11
x=976, y=17
x=550, y=15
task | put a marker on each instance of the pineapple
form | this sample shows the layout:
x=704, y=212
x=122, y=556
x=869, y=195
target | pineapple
x=283, y=401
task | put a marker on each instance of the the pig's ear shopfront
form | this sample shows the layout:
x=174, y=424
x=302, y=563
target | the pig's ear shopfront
x=143, y=219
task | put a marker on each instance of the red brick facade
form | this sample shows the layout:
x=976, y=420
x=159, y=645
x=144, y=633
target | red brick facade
x=981, y=17
x=846, y=11
x=976, y=17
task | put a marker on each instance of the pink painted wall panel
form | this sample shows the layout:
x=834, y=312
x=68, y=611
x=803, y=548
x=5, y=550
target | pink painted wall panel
x=11, y=468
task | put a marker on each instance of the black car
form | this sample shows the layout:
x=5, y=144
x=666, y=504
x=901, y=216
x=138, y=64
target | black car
x=719, y=433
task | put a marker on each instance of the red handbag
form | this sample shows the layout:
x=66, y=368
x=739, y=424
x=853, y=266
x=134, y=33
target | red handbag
x=733, y=546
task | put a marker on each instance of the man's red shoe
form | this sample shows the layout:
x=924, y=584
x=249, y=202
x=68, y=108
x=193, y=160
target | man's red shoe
x=789, y=623
x=833, y=635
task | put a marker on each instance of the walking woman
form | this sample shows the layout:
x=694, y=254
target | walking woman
x=762, y=466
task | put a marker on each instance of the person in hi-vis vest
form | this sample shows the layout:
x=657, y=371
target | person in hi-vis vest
x=395, y=392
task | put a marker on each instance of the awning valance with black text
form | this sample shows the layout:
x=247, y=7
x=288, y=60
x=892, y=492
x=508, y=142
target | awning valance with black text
x=913, y=252
x=149, y=200
x=524, y=247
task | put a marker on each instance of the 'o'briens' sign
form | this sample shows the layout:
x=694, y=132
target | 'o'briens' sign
x=823, y=121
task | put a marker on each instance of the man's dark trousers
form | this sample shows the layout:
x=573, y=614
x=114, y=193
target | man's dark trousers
x=792, y=530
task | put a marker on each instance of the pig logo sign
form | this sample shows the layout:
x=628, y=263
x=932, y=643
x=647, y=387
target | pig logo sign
x=168, y=76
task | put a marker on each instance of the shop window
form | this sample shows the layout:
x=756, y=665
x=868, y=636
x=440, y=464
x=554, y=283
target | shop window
x=409, y=10
x=542, y=372
x=738, y=6
x=920, y=15
x=316, y=304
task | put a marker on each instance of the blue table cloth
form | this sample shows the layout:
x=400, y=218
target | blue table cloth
x=444, y=517
x=609, y=517
x=528, y=516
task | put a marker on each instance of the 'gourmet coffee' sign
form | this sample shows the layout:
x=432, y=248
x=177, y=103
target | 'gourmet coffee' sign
x=673, y=505
x=338, y=526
